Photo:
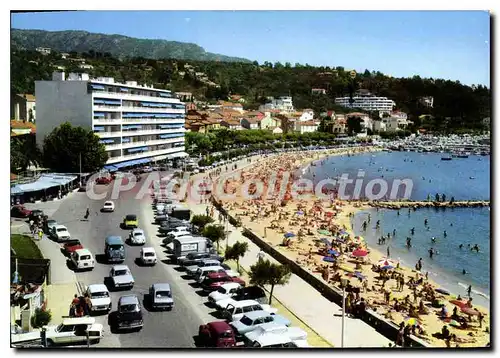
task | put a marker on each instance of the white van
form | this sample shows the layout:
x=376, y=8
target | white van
x=83, y=259
x=202, y=272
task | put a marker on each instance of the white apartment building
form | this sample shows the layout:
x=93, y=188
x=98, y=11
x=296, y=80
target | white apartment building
x=283, y=104
x=367, y=102
x=137, y=124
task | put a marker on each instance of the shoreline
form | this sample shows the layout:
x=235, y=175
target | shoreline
x=343, y=219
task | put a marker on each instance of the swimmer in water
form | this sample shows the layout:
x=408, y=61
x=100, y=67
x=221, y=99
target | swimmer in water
x=445, y=234
x=464, y=272
x=425, y=222
x=412, y=230
x=460, y=246
x=433, y=239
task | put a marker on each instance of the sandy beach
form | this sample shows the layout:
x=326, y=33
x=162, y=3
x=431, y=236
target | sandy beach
x=309, y=229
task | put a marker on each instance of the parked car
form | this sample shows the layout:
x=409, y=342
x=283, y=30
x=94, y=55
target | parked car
x=34, y=214
x=100, y=300
x=74, y=330
x=160, y=295
x=130, y=221
x=191, y=270
x=225, y=291
x=194, y=257
x=137, y=237
x=216, y=334
x=71, y=246
x=202, y=272
x=214, y=280
x=19, y=211
x=82, y=259
x=60, y=233
x=254, y=319
x=103, y=180
x=108, y=206
x=272, y=335
x=129, y=313
x=148, y=256
x=234, y=310
x=255, y=293
x=121, y=276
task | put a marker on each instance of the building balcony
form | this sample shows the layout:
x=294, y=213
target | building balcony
x=109, y=134
x=145, y=154
x=142, y=143
x=151, y=131
x=104, y=107
x=152, y=120
x=113, y=146
x=135, y=97
x=152, y=110
x=107, y=120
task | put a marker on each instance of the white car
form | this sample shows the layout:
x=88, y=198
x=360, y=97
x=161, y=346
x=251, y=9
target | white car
x=148, y=256
x=108, y=206
x=137, y=237
x=60, y=233
x=121, y=276
x=82, y=259
x=272, y=334
x=100, y=301
x=234, y=310
x=224, y=292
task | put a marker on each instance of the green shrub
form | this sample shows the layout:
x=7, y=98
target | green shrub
x=41, y=318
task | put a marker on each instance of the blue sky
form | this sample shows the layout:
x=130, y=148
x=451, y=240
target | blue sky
x=449, y=44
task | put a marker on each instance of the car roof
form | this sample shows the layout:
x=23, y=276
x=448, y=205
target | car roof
x=108, y=202
x=97, y=287
x=148, y=249
x=51, y=220
x=114, y=240
x=220, y=326
x=78, y=320
x=243, y=303
x=60, y=227
x=216, y=274
x=272, y=338
x=230, y=285
x=161, y=286
x=83, y=252
x=128, y=300
x=138, y=230
x=120, y=267
x=257, y=314
x=130, y=217
x=209, y=268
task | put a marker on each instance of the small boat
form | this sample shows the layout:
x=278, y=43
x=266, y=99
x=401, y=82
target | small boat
x=462, y=156
x=446, y=158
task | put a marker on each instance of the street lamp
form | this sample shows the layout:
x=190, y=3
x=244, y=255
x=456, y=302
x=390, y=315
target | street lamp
x=344, y=283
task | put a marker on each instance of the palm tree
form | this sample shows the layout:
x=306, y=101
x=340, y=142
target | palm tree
x=236, y=251
x=24, y=153
x=201, y=220
x=266, y=273
x=215, y=233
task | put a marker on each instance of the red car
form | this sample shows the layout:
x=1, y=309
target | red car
x=215, y=279
x=19, y=211
x=103, y=180
x=216, y=334
x=71, y=246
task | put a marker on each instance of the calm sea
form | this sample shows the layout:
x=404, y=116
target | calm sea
x=463, y=178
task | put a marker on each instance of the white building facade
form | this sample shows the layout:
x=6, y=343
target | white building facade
x=137, y=124
x=283, y=104
x=367, y=102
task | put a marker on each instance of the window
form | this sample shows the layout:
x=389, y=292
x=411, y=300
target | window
x=120, y=272
x=67, y=328
x=129, y=308
x=238, y=311
x=246, y=321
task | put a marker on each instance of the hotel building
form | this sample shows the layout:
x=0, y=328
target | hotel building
x=137, y=124
x=367, y=102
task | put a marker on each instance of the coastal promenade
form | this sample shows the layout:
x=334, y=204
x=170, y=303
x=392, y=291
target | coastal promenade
x=316, y=311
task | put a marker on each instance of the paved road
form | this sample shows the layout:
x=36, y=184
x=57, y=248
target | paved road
x=161, y=329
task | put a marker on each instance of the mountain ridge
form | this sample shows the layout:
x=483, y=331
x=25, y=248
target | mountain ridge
x=120, y=46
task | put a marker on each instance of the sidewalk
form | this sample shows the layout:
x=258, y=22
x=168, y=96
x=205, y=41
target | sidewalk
x=306, y=302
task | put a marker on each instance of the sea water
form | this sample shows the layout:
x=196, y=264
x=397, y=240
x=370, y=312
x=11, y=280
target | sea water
x=461, y=178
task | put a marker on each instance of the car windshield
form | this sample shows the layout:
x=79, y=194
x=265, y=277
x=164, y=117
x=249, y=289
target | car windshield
x=100, y=294
x=108, y=204
x=51, y=222
x=137, y=233
x=222, y=290
x=149, y=254
x=162, y=294
x=74, y=243
x=130, y=217
x=128, y=308
x=226, y=334
x=61, y=229
x=121, y=272
x=246, y=321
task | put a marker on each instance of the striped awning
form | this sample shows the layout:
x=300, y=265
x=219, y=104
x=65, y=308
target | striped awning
x=97, y=86
x=132, y=127
x=99, y=129
x=171, y=135
x=138, y=149
x=98, y=101
x=96, y=114
x=163, y=94
x=123, y=89
x=107, y=141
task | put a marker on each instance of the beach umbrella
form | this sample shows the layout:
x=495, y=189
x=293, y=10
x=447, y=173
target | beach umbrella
x=469, y=311
x=333, y=252
x=289, y=234
x=329, y=213
x=324, y=232
x=329, y=259
x=386, y=262
x=300, y=212
x=387, y=267
x=359, y=253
